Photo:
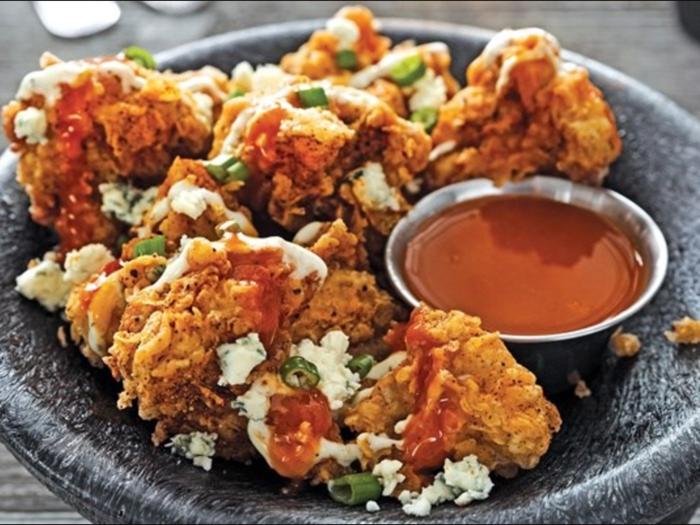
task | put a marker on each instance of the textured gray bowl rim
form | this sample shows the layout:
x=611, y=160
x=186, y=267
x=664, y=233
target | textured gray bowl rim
x=677, y=451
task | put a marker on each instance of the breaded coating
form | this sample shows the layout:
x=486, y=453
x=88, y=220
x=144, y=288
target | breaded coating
x=191, y=202
x=524, y=112
x=686, y=331
x=353, y=29
x=95, y=308
x=78, y=124
x=428, y=92
x=210, y=294
x=348, y=160
x=349, y=300
x=625, y=345
x=464, y=393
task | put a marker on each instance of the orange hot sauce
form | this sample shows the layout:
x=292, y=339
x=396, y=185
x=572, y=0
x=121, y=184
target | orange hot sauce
x=298, y=424
x=526, y=265
x=76, y=223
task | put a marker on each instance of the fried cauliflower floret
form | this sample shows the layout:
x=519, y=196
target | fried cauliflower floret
x=191, y=202
x=79, y=124
x=524, y=112
x=352, y=35
x=209, y=295
x=428, y=92
x=464, y=393
x=350, y=299
x=351, y=29
x=347, y=160
x=686, y=331
x=95, y=307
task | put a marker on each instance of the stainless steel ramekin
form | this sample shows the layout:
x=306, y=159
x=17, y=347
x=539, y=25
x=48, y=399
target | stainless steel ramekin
x=556, y=359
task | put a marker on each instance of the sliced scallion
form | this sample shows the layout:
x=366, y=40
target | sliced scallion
x=239, y=171
x=408, y=71
x=235, y=94
x=121, y=241
x=361, y=365
x=346, y=59
x=154, y=273
x=140, y=56
x=229, y=170
x=297, y=372
x=428, y=117
x=313, y=97
x=355, y=489
x=152, y=246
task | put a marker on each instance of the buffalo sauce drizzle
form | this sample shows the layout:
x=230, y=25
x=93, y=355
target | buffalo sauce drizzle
x=298, y=423
x=437, y=417
x=252, y=265
x=79, y=211
x=87, y=294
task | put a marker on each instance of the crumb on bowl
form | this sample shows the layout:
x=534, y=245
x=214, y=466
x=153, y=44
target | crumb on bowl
x=581, y=390
x=625, y=344
x=62, y=338
x=685, y=331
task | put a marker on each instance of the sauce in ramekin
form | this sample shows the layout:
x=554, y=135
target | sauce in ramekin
x=526, y=265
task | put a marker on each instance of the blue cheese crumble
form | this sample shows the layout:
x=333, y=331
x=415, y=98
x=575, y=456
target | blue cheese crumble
x=372, y=189
x=462, y=482
x=126, y=203
x=30, y=124
x=345, y=31
x=372, y=506
x=43, y=282
x=86, y=262
x=199, y=447
x=338, y=383
x=237, y=360
x=388, y=472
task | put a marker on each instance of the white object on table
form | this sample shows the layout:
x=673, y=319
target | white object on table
x=176, y=7
x=77, y=19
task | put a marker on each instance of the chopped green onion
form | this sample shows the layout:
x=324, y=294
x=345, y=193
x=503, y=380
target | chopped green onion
x=231, y=226
x=239, y=171
x=155, y=272
x=355, y=489
x=152, y=246
x=230, y=170
x=297, y=372
x=121, y=241
x=313, y=97
x=408, y=71
x=140, y=56
x=235, y=94
x=361, y=365
x=426, y=116
x=346, y=59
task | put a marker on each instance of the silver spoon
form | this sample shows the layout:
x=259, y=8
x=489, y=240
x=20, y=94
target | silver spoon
x=77, y=19
x=176, y=7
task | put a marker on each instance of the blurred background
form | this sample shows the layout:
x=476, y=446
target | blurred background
x=650, y=41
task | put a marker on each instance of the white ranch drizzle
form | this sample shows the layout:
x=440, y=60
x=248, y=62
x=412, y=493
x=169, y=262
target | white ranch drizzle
x=47, y=82
x=363, y=79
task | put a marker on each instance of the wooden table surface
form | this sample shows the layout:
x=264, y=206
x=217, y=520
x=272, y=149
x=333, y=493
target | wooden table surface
x=641, y=38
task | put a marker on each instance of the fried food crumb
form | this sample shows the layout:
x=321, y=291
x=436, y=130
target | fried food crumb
x=625, y=345
x=62, y=338
x=685, y=332
x=582, y=391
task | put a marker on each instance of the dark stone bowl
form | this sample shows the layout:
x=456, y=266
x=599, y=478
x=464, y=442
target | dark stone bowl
x=630, y=453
